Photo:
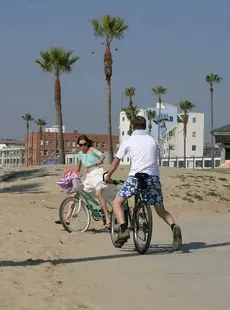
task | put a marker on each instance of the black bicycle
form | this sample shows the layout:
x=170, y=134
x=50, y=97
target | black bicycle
x=138, y=219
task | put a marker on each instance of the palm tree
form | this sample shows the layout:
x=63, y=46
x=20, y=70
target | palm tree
x=131, y=113
x=41, y=123
x=130, y=92
x=211, y=79
x=185, y=106
x=151, y=115
x=159, y=91
x=27, y=118
x=57, y=61
x=109, y=28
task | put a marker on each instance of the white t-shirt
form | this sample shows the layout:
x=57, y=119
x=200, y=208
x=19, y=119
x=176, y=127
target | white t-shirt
x=142, y=149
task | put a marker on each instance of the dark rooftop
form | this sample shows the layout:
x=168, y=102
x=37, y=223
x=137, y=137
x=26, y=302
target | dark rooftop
x=221, y=130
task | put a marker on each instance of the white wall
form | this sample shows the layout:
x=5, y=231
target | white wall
x=124, y=129
x=174, y=138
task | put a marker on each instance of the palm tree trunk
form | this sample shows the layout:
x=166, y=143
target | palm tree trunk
x=150, y=126
x=59, y=121
x=131, y=112
x=212, y=122
x=185, y=134
x=27, y=143
x=40, y=130
x=108, y=70
x=159, y=128
x=110, y=144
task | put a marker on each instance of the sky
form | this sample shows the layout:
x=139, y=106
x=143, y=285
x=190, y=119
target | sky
x=173, y=43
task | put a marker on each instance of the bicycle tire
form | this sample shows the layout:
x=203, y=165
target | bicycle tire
x=136, y=210
x=62, y=214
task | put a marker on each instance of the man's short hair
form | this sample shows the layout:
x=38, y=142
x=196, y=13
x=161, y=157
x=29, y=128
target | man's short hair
x=139, y=122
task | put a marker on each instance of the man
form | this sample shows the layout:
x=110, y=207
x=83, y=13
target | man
x=142, y=150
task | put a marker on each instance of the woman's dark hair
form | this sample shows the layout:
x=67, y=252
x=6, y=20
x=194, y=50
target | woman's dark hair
x=87, y=140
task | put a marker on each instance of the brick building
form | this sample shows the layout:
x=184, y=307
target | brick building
x=45, y=149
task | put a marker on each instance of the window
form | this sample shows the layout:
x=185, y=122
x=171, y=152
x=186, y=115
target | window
x=52, y=142
x=194, y=119
x=123, y=119
x=97, y=144
x=46, y=152
x=171, y=118
x=193, y=147
x=67, y=143
x=41, y=153
x=46, y=142
x=41, y=142
x=122, y=133
x=103, y=144
x=194, y=134
x=127, y=159
x=73, y=143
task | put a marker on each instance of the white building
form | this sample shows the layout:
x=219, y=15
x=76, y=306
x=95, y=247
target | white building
x=11, y=153
x=173, y=139
x=54, y=129
x=168, y=114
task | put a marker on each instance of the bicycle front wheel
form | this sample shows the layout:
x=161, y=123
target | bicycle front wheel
x=143, y=225
x=75, y=209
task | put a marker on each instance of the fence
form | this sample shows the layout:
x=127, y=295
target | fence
x=191, y=162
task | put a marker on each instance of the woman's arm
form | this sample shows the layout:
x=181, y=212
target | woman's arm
x=100, y=160
x=78, y=167
x=100, y=156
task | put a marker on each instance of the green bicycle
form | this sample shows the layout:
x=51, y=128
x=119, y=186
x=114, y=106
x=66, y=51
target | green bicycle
x=82, y=207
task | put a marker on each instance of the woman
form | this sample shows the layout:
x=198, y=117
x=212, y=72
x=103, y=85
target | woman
x=91, y=159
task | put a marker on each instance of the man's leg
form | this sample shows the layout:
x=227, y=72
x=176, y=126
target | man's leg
x=154, y=196
x=167, y=217
x=118, y=210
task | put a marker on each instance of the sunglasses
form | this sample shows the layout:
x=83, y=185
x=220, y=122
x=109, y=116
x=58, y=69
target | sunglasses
x=83, y=144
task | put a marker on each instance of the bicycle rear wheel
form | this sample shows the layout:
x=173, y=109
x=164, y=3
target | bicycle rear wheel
x=80, y=218
x=143, y=225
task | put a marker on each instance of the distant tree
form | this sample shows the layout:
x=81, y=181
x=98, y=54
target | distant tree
x=186, y=106
x=58, y=61
x=109, y=28
x=27, y=118
x=41, y=123
x=131, y=113
x=130, y=92
x=211, y=79
x=159, y=91
x=151, y=115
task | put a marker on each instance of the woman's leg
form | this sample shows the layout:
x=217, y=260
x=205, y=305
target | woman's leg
x=70, y=209
x=103, y=205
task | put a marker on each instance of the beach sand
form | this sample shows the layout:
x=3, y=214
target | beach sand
x=44, y=267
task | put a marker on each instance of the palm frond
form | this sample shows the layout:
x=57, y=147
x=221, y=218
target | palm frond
x=109, y=27
x=57, y=60
x=159, y=90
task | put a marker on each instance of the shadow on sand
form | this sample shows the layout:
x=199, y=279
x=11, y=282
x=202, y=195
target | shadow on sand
x=26, y=174
x=159, y=249
x=32, y=188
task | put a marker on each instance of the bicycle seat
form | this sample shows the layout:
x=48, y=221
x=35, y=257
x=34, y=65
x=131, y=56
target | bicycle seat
x=141, y=176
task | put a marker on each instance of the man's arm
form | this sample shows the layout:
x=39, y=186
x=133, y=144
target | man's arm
x=123, y=149
x=112, y=168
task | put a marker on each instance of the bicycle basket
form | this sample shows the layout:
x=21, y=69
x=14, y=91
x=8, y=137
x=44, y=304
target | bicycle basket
x=68, y=186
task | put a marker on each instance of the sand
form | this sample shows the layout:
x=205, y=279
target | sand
x=44, y=267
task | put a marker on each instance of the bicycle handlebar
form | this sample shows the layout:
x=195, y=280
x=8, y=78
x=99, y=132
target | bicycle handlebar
x=114, y=182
